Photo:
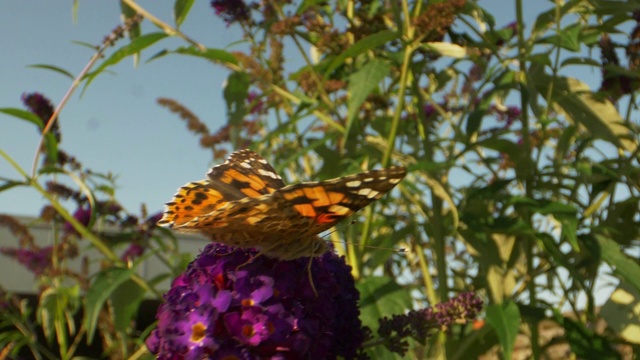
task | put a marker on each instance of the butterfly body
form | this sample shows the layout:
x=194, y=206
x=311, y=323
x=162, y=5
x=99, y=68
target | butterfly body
x=245, y=203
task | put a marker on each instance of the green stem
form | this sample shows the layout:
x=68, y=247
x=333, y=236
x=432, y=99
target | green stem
x=81, y=229
x=526, y=173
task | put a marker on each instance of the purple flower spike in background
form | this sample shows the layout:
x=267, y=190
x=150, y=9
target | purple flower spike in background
x=233, y=304
x=231, y=10
x=83, y=215
x=36, y=260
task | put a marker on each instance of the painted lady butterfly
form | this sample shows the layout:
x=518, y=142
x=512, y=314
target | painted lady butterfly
x=245, y=203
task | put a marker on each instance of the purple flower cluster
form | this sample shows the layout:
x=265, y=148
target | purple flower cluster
x=42, y=107
x=231, y=10
x=458, y=310
x=36, y=260
x=423, y=323
x=82, y=215
x=233, y=303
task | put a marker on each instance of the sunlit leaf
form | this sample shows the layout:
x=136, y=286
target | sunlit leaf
x=581, y=106
x=102, y=288
x=181, y=10
x=361, y=84
x=621, y=264
x=447, y=49
x=622, y=312
x=505, y=320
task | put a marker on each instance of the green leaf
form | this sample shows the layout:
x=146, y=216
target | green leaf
x=10, y=184
x=567, y=38
x=53, y=68
x=181, y=10
x=47, y=310
x=544, y=21
x=622, y=313
x=235, y=95
x=585, y=343
x=501, y=145
x=622, y=265
x=50, y=143
x=135, y=46
x=24, y=115
x=446, y=49
x=567, y=215
x=580, y=61
x=505, y=320
x=361, y=84
x=127, y=12
x=105, y=283
x=57, y=305
x=362, y=45
x=215, y=55
x=381, y=296
x=580, y=105
x=305, y=4
x=126, y=300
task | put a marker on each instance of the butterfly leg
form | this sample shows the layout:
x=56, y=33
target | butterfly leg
x=313, y=286
x=251, y=258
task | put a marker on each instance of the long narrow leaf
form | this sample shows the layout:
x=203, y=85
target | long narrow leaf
x=135, y=46
x=102, y=288
x=53, y=68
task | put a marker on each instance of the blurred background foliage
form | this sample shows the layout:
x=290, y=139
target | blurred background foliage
x=523, y=182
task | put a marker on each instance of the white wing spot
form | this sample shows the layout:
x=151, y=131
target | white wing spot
x=373, y=194
x=268, y=174
x=262, y=161
x=382, y=177
x=364, y=191
x=339, y=209
x=369, y=179
x=245, y=164
x=394, y=181
x=354, y=183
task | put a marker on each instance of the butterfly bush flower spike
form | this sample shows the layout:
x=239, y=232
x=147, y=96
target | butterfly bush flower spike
x=221, y=309
x=421, y=324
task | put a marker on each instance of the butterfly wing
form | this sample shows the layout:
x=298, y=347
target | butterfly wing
x=301, y=209
x=246, y=173
x=324, y=204
x=243, y=174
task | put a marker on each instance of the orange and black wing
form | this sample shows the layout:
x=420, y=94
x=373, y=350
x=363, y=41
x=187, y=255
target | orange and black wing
x=326, y=203
x=243, y=174
x=305, y=208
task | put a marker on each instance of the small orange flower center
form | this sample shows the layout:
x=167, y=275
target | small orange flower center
x=247, y=331
x=247, y=302
x=198, y=332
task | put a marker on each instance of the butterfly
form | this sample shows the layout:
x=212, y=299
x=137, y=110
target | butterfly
x=244, y=203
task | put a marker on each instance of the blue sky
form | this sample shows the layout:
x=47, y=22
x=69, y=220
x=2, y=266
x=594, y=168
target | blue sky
x=116, y=126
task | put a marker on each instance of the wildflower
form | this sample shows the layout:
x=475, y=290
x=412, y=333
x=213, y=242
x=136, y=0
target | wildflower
x=423, y=323
x=82, y=215
x=36, y=260
x=133, y=252
x=231, y=10
x=233, y=303
x=42, y=107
